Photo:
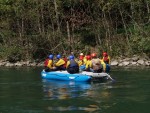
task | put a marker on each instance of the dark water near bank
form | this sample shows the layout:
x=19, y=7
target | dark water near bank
x=23, y=91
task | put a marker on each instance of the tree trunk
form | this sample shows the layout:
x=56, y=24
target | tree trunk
x=57, y=17
x=69, y=37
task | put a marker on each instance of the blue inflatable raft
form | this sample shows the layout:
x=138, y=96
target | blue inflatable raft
x=65, y=76
x=79, y=77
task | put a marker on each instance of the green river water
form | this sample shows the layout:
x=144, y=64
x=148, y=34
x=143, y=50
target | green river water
x=23, y=91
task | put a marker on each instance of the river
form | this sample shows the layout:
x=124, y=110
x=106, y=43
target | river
x=23, y=91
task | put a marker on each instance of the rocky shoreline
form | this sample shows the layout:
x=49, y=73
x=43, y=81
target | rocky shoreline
x=118, y=62
x=131, y=62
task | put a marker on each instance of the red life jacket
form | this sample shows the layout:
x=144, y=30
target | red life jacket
x=65, y=59
x=46, y=62
x=106, y=60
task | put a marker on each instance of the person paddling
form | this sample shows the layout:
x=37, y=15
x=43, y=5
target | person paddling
x=106, y=60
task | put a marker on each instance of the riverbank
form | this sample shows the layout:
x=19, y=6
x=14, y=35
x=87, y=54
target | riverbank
x=119, y=62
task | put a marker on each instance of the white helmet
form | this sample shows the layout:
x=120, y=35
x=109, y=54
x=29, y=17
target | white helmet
x=81, y=54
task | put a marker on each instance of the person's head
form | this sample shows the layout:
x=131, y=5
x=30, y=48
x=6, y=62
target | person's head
x=93, y=55
x=58, y=56
x=71, y=57
x=51, y=56
x=105, y=54
x=88, y=57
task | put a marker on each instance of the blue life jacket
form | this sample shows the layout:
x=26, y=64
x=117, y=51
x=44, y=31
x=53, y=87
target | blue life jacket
x=73, y=63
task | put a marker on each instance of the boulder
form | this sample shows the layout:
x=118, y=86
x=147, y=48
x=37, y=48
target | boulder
x=125, y=63
x=9, y=64
x=133, y=63
x=114, y=63
x=141, y=62
x=147, y=63
x=2, y=63
x=18, y=64
x=126, y=59
x=135, y=58
x=120, y=64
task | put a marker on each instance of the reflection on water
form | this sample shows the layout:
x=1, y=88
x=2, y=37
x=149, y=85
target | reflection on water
x=64, y=89
x=69, y=90
x=90, y=108
x=22, y=91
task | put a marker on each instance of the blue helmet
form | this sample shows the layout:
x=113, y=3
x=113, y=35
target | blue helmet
x=58, y=56
x=71, y=57
x=51, y=56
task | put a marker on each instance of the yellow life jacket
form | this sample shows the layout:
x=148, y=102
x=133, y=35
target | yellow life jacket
x=103, y=64
x=60, y=62
x=88, y=64
x=80, y=62
x=50, y=64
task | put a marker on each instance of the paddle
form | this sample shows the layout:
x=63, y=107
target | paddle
x=110, y=78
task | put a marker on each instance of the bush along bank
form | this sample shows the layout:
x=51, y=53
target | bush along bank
x=118, y=62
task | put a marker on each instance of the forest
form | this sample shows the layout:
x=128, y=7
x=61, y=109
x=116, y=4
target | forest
x=32, y=29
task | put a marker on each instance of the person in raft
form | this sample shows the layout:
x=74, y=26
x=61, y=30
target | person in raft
x=82, y=61
x=60, y=64
x=48, y=63
x=88, y=64
x=96, y=64
x=72, y=66
x=106, y=60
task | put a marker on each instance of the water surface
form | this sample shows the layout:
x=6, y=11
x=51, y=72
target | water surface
x=23, y=91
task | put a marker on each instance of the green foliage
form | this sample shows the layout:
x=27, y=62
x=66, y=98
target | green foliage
x=12, y=54
x=141, y=44
x=35, y=28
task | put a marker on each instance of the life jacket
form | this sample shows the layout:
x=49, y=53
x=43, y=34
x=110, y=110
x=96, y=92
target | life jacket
x=50, y=64
x=80, y=62
x=88, y=64
x=73, y=63
x=65, y=59
x=96, y=65
x=46, y=62
x=60, y=62
x=106, y=59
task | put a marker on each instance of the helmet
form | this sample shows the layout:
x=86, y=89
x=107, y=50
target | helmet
x=58, y=56
x=81, y=57
x=88, y=57
x=104, y=54
x=71, y=57
x=81, y=54
x=50, y=56
x=93, y=55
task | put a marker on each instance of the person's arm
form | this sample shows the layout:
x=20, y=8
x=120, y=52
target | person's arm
x=68, y=63
x=50, y=63
x=109, y=59
x=60, y=62
x=104, y=66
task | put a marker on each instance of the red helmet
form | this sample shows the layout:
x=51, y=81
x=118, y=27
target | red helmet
x=105, y=54
x=88, y=57
x=93, y=55
x=81, y=57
